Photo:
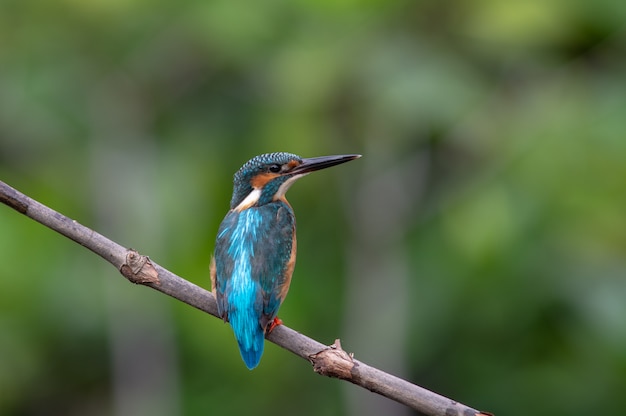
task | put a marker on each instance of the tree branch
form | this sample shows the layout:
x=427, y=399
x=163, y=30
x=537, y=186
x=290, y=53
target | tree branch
x=330, y=361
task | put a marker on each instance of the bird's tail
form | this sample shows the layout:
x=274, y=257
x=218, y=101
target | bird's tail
x=250, y=336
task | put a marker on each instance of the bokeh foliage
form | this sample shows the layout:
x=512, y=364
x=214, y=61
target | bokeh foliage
x=477, y=249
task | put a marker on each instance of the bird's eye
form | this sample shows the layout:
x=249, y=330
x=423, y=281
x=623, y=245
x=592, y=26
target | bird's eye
x=275, y=168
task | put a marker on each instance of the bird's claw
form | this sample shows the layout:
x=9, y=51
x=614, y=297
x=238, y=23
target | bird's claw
x=275, y=322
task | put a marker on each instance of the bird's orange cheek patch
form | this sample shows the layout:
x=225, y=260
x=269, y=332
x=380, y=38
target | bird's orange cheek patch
x=292, y=164
x=259, y=181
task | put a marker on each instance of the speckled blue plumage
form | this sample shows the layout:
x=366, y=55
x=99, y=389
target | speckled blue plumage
x=252, y=255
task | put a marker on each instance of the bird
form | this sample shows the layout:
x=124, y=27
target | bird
x=255, y=247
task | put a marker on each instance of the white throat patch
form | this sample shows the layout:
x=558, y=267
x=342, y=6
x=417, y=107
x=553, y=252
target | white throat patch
x=250, y=200
x=285, y=186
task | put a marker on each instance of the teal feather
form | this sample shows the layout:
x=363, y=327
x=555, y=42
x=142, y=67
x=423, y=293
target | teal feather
x=252, y=251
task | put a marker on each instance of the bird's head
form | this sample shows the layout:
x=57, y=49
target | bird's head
x=266, y=178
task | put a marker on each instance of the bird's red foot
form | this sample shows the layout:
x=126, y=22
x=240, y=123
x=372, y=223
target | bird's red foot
x=277, y=321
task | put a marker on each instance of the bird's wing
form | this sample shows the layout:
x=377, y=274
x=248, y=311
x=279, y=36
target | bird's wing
x=222, y=263
x=274, y=257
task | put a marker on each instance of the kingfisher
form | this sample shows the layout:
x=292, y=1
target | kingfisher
x=255, y=248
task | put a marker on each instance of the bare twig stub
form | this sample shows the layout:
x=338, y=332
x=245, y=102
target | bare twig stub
x=331, y=361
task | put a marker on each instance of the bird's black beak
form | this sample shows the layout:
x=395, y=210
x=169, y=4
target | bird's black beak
x=316, y=163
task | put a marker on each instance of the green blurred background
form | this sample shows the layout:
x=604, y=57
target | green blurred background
x=477, y=249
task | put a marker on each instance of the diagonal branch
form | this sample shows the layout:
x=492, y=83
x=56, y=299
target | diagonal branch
x=330, y=361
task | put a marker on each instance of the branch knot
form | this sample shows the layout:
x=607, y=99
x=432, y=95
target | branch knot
x=333, y=362
x=138, y=269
